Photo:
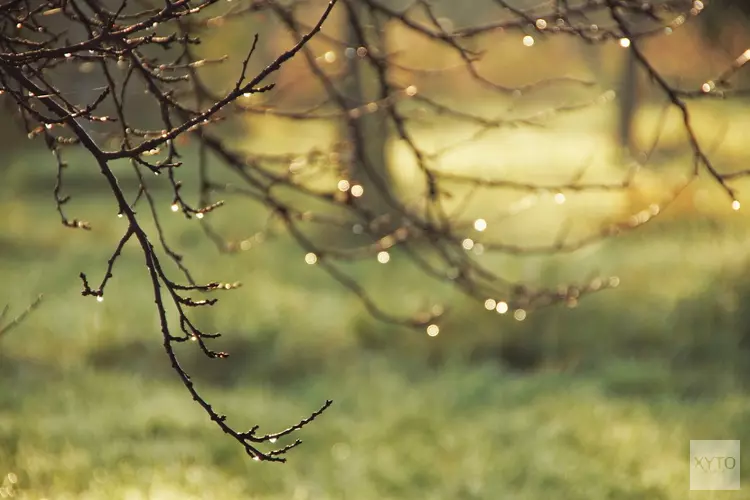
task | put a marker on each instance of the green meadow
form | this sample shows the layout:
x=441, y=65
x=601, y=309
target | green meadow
x=596, y=402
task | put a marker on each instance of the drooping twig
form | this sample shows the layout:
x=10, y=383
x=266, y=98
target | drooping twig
x=7, y=327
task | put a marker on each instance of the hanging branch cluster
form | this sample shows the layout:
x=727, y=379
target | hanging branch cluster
x=128, y=37
x=368, y=89
x=137, y=48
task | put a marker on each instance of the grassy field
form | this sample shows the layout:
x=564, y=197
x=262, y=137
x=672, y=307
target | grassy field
x=598, y=402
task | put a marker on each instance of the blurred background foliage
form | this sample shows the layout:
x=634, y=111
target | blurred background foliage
x=592, y=402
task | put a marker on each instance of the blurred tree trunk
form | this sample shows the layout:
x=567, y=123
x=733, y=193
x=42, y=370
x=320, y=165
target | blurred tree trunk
x=628, y=100
x=626, y=84
x=367, y=132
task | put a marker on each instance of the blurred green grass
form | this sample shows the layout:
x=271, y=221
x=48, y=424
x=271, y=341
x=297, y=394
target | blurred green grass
x=590, y=403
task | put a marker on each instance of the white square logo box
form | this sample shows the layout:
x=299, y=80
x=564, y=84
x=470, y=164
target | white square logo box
x=714, y=465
